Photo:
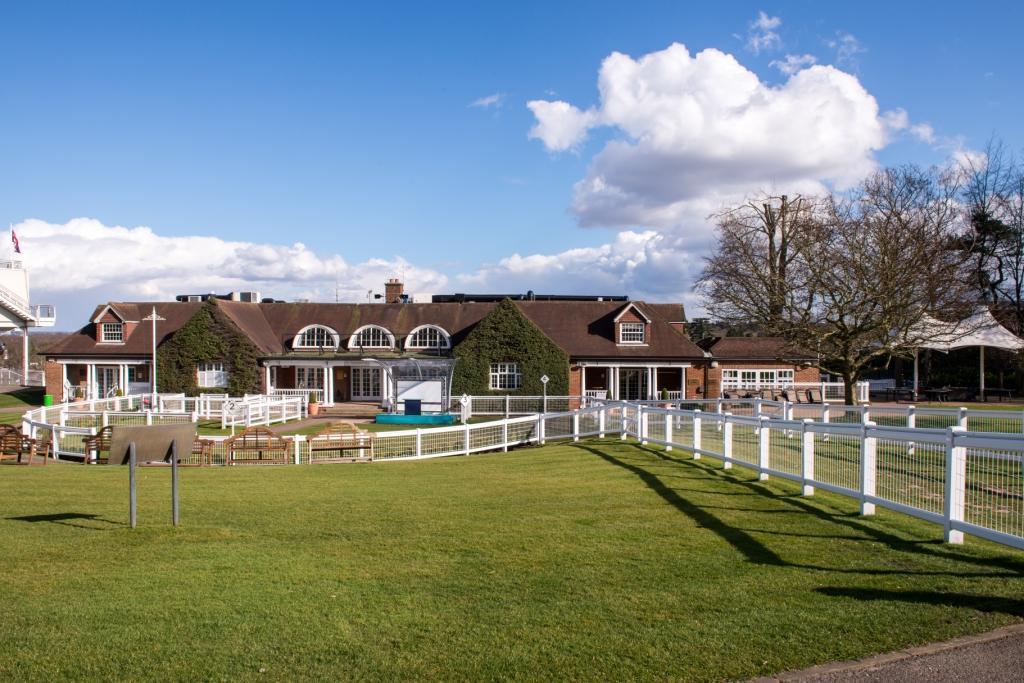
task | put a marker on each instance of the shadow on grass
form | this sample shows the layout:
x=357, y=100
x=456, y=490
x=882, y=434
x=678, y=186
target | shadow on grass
x=65, y=519
x=981, y=603
x=756, y=551
x=750, y=547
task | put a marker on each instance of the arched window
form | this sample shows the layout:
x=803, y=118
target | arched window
x=316, y=337
x=371, y=337
x=428, y=337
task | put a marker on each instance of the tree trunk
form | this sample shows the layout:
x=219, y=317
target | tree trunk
x=850, y=387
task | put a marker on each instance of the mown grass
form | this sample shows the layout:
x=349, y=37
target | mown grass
x=599, y=560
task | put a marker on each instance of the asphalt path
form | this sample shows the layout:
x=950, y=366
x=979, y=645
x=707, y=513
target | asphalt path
x=992, y=657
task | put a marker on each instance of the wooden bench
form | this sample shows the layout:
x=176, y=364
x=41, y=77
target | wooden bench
x=341, y=442
x=20, y=448
x=202, y=449
x=97, y=448
x=256, y=446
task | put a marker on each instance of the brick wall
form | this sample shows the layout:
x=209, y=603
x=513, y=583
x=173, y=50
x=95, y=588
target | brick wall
x=54, y=376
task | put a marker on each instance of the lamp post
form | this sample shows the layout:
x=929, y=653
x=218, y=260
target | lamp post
x=153, y=317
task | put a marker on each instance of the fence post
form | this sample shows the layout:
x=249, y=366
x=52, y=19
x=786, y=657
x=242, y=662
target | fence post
x=868, y=468
x=668, y=431
x=149, y=418
x=545, y=403
x=787, y=410
x=623, y=430
x=911, y=417
x=504, y=437
x=764, y=442
x=696, y=434
x=600, y=423
x=104, y=419
x=296, y=449
x=825, y=411
x=757, y=407
x=63, y=419
x=576, y=426
x=466, y=440
x=962, y=419
x=807, y=457
x=865, y=418
x=419, y=442
x=727, y=442
x=540, y=429
x=956, y=484
x=641, y=425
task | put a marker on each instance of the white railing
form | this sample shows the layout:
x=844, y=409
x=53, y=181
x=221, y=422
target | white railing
x=967, y=481
x=970, y=482
x=261, y=410
x=15, y=303
x=509, y=405
x=43, y=311
x=8, y=376
x=302, y=393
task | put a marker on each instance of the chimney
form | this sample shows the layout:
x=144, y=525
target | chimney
x=393, y=290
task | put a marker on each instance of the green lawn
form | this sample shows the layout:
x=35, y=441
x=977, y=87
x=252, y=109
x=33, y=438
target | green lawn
x=600, y=560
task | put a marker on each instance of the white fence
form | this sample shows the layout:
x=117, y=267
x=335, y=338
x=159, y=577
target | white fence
x=967, y=481
x=14, y=377
x=261, y=410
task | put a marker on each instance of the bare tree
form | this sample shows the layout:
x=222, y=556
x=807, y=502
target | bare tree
x=750, y=276
x=863, y=270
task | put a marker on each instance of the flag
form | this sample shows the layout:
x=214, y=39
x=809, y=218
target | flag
x=14, y=241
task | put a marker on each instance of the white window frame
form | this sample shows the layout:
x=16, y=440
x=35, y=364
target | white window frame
x=757, y=378
x=211, y=375
x=443, y=339
x=383, y=335
x=505, y=376
x=634, y=329
x=112, y=333
x=329, y=336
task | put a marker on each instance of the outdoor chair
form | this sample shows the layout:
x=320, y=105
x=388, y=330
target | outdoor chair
x=341, y=442
x=814, y=396
x=792, y=396
x=97, y=448
x=19, y=448
x=256, y=446
x=767, y=395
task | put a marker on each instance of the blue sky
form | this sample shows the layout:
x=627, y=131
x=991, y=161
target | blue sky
x=235, y=131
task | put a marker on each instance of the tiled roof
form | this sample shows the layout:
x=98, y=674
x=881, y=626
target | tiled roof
x=140, y=342
x=753, y=348
x=584, y=329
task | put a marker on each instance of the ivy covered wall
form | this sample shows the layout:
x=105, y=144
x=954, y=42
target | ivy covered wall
x=505, y=335
x=209, y=336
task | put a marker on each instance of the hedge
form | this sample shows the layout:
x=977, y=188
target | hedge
x=505, y=335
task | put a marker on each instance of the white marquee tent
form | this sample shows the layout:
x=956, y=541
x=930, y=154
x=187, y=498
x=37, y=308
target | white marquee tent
x=981, y=329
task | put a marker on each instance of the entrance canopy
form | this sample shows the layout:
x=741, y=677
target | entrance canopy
x=981, y=330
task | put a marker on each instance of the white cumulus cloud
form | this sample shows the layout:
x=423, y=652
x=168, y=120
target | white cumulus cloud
x=82, y=262
x=699, y=131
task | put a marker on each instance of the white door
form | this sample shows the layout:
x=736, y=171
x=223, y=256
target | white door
x=365, y=384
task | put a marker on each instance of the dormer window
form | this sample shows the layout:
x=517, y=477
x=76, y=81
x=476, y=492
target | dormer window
x=631, y=333
x=112, y=333
x=371, y=337
x=428, y=337
x=316, y=337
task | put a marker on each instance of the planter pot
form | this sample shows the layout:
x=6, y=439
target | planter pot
x=314, y=409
